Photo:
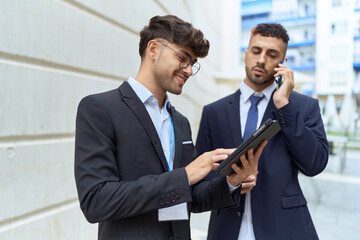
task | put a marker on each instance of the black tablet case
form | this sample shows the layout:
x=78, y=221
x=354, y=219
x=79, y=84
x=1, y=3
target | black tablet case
x=266, y=131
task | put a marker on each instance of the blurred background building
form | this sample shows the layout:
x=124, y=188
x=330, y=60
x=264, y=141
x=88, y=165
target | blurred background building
x=55, y=52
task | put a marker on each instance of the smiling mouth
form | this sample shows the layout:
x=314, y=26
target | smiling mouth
x=181, y=78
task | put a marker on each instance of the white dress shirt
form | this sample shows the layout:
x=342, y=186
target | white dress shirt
x=246, y=229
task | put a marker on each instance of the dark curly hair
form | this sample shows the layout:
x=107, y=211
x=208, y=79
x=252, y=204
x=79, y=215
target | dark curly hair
x=271, y=30
x=174, y=30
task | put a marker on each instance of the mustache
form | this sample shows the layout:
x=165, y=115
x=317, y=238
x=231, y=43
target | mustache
x=183, y=73
x=260, y=67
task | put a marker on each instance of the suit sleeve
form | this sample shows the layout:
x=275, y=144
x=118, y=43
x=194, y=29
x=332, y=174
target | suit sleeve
x=102, y=194
x=214, y=184
x=203, y=141
x=304, y=135
x=212, y=194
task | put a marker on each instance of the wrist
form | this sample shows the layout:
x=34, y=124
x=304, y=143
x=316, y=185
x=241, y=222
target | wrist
x=232, y=183
x=188, y=170
x=281, y=103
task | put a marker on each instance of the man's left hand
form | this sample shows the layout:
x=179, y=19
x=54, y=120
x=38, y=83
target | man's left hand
x=282, y=94
x=249, y=165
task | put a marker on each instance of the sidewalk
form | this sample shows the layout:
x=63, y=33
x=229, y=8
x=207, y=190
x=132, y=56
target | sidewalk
x=333, y=200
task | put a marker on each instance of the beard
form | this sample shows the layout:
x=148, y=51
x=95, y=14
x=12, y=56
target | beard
x=257, y=79
x=166, y=80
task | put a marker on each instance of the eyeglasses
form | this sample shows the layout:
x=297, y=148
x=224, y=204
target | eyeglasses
x=185, y=60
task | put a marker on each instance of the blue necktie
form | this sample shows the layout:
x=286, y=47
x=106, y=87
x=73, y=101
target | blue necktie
x=252, y=117
x=250, y=127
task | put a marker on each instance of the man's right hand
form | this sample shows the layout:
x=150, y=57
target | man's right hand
x=206, y=162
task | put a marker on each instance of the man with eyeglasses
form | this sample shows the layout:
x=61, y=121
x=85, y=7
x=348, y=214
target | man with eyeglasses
x=134, y=158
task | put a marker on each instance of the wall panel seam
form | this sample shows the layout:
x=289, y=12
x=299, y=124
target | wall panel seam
x=55, y=67
x=100, y=16
x=162, y=6
x=186, y=4
x=39, y=214
x=31, y=140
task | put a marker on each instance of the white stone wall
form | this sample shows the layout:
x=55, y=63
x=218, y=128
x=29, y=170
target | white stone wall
x=53, y=53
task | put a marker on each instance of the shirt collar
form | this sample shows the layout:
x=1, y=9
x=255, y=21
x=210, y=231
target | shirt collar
x=246, y=91
x=143, y=93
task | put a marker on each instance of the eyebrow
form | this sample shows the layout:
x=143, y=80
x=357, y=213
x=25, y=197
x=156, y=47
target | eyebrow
x=269, y=50
x=274, y=51
x=187, y=54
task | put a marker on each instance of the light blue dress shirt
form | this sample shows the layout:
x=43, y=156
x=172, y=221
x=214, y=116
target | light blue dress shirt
x=161, y=119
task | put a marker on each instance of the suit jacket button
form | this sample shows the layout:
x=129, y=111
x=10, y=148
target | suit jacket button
x=238, y=213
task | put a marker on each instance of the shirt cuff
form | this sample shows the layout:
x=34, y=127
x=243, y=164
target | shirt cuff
x=231, y=187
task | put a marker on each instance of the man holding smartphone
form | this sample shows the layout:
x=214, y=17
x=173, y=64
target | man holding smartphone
x=275, y=208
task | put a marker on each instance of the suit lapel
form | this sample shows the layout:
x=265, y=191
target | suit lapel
x=178, y=138
x=135, y=104
x=234, y=118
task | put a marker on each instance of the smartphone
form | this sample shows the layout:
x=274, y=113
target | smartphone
x=279, y=80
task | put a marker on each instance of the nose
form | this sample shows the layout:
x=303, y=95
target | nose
x=261, y=60
x=188, y=70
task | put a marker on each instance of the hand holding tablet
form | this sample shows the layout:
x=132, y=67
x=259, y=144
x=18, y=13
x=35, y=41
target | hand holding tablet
x=265, y=132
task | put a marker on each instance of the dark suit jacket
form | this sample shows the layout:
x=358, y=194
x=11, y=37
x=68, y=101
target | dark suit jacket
x=279, y=209
x=121, y=172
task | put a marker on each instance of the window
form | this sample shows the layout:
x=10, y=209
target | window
x=336, y=3
x=339, y=28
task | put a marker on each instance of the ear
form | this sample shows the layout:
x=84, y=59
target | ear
x=152, y=49
x=245, y=55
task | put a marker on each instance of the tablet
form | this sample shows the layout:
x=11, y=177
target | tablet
x=266, y=131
